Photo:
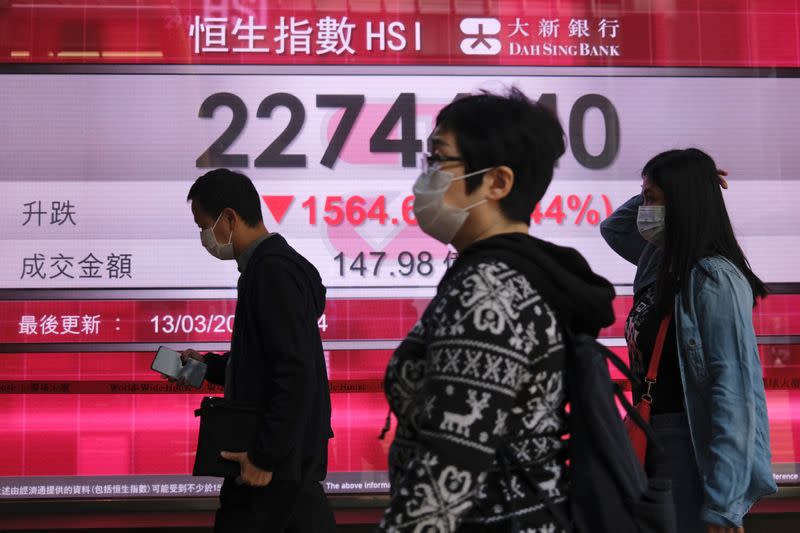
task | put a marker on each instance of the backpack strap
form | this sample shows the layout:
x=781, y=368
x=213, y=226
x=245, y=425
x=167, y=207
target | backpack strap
x=387, y=425
x=618, y=363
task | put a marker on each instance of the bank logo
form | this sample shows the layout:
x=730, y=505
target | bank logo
x=479, y=40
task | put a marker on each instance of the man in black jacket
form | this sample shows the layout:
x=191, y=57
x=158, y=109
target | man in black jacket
x=276, y=360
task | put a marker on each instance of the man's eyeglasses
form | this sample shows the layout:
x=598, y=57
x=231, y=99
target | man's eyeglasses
x=429, y=160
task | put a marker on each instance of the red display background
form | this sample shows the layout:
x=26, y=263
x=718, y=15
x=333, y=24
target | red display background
x=107, y=413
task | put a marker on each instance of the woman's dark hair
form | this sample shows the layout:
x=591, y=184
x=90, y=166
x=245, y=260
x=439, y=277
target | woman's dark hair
x=696, y=222
x=493, y=130
x=221, y=188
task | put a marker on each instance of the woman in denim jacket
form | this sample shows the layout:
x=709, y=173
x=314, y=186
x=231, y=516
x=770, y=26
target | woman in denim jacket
x=709, y=407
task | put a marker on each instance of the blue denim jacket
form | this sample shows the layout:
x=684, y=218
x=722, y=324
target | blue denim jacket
x=720, y=370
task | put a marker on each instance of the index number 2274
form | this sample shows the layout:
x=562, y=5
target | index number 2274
x=402, y=113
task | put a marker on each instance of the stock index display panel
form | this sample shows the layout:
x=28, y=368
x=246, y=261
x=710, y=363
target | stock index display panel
x=111, y=110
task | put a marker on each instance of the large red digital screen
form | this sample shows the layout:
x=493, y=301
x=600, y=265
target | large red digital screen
x=110, y=110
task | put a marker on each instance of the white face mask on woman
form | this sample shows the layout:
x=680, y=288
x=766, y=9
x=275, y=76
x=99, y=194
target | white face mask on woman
x=435, y=217
x=220, y=251
x=650, y=222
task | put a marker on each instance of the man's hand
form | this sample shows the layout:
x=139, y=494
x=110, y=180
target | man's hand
x=191, y=354
x=250, y=474
x=185, y=356
x=711, y=528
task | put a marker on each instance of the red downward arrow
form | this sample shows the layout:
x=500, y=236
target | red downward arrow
x=278, y=205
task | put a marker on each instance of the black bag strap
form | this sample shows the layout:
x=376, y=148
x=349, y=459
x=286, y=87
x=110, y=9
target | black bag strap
x=387, y=425
x=221, y=404
x=619, y=364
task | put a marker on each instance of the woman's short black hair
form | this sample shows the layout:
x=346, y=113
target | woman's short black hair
x=493, y=130
x=222, y=188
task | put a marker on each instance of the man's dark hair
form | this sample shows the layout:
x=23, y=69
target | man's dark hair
x=493, y=130
x=222, y=188
x=696, y=222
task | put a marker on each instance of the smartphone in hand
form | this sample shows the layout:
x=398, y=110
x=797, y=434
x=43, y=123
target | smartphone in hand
x=168, y=362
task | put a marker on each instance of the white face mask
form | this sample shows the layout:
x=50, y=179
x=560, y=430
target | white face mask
x=435, y=217
x=650, y=222
x=220, y=251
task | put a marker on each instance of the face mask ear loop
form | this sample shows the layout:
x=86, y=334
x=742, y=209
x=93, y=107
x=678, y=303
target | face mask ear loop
x=230, y=237
x=476, y=204
x=473, y=174
x=465, y=176
x=216, y=222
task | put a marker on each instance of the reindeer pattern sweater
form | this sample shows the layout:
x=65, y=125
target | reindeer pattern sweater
x=484, y=365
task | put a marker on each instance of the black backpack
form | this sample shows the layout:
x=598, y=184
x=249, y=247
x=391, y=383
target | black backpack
x=608, y=489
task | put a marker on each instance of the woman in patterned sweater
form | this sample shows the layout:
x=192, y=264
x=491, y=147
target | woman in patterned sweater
x=478, y=386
